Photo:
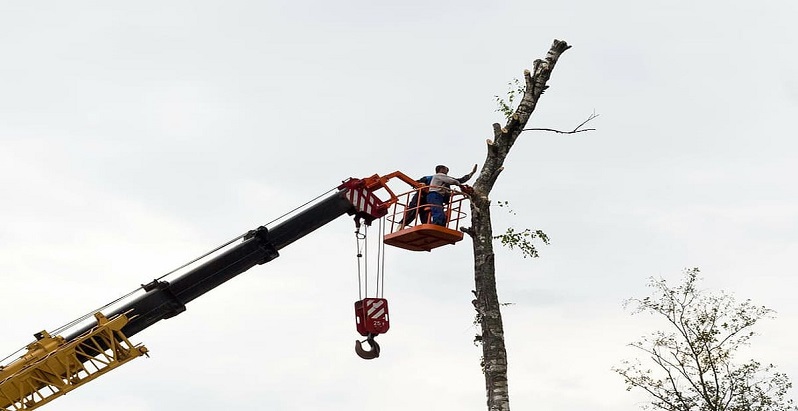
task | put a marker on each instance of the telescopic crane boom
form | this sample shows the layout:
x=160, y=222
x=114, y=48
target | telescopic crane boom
x=51, y=366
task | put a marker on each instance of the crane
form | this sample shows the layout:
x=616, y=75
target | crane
x=54, y=365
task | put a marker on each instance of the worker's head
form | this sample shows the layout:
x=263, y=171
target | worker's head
x=441, y=169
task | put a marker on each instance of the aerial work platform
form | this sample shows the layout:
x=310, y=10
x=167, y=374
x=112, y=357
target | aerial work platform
x=410, y=222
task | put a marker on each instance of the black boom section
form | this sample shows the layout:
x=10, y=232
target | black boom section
x=314, y=217
x=164, y=300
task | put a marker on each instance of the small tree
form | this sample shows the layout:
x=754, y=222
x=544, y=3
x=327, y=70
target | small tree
x=693, y=361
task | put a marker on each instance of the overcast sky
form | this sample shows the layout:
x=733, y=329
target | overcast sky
x=136, y=136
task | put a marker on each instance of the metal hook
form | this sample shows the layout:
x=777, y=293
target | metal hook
x=367, y=354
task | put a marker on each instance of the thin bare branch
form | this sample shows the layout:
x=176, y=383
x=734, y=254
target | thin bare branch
x=577, y=129
x=559, y=131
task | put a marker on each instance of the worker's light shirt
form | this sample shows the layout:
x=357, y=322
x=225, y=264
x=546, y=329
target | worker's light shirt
x=440, y=183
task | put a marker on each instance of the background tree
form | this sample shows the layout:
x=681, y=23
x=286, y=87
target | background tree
x=486, y=302
x=693, y=360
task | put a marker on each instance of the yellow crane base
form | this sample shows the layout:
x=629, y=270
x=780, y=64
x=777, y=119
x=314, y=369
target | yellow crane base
x=53, y=367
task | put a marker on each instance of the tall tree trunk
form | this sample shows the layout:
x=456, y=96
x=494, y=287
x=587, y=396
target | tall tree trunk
x=481, y=231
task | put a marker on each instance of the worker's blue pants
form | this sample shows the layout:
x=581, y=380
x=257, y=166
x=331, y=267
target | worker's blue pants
x=435, y=200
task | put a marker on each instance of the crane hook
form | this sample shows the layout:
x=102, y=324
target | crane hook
x=367, y=354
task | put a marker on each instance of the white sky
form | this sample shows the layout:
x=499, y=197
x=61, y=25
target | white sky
x=136, y=136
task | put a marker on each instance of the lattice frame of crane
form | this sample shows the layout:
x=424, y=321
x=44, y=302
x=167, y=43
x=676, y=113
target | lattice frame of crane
x=53, y=367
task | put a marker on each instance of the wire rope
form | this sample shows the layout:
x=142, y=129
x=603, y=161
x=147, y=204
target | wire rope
x=382, y=259
x=358, y=238
x=379, y=254
x=380, y=288
x=366, y=262
x=12, y=354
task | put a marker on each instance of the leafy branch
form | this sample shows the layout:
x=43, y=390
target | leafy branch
x=515, y=89
x=520, y=239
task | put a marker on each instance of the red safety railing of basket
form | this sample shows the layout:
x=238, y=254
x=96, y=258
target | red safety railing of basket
x=411, y=210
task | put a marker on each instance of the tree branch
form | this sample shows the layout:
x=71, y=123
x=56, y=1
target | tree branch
x=468, y=230
x=577, y=129
x=497, y=131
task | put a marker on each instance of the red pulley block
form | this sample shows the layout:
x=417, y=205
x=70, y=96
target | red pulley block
x=371, y=315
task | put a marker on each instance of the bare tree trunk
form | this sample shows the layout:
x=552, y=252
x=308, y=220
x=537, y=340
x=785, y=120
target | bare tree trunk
x=487, y=301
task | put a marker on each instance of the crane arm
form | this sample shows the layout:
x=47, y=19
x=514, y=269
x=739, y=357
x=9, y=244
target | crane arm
x=163, y=299
x=55, y=365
